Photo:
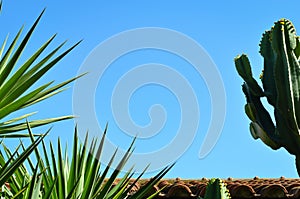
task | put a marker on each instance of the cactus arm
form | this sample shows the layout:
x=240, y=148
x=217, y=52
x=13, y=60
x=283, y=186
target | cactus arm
x=268, y=80
x=295, y=72
x=289, y=140
x=211, y=191
x=258, y=132
x=283, y=43
x=264, y=126
x=216, y=189
x=243, y=67
x=295, y=80
x=259, y=115
x=297, y=49
x=280, y=48
x=298, y=163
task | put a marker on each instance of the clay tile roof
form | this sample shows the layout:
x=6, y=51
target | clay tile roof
x=255, y=188
x=295, y=192
x=201, y=191
x=179, y=191
x=273, y=191
x=291, y=186
x=242, y=191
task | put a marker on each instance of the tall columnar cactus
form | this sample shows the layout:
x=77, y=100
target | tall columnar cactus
x=216, y=189
x=280, y=48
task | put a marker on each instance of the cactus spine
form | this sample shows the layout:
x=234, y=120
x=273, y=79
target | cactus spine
x=216, y=189
x=280, y=48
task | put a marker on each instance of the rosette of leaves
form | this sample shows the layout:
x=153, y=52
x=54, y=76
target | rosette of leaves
x=81, y=177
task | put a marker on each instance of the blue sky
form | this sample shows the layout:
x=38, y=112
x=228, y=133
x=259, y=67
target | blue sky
x=223, y=29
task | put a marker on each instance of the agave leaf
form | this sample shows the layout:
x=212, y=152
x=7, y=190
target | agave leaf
x=6, y=130
x=60, y=165
x=4, y=68
x=13, y=106
x=5, y=89
x=50, y=92
x=121, y=186
x=7, y=171
x=33, y=79
x=55, y=170
x=119, y=193
x=32, y=186
x=74, y=164
x=134, y=182
x=101, y=179
x=82, y=178
x=145, y=189
x=90, y=178
x=3, y=46
x=116, y=171
x=10, y=158
x=11, y=63
x=17, y=119
x=46, y=179
x=19, y=178
x=20, y=193
x=25, y=77
x=50, y=189
x=73, y=191
x=16, y=82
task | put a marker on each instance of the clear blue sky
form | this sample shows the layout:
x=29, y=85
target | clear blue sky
x=224, y=29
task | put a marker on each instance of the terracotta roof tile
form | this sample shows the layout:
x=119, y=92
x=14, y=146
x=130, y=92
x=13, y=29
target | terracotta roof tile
x=194, y=188
x=164, y=184
x=291, y=186
x=242, y=191
x=273, y=191
x=179, y=191
x=201, y=191
x=256, y=188
x=295, y=192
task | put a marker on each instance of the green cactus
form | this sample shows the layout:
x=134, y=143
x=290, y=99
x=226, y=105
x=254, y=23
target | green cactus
x=216, y=189
x=280, y=48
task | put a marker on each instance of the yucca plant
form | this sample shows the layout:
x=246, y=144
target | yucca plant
x=54, y=176
x=12, y=164
x=51, y=176
x=16, y=81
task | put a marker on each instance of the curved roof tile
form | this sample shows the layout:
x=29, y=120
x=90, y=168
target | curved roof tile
x=242, y=190
x=179, y=191
x=256, y=188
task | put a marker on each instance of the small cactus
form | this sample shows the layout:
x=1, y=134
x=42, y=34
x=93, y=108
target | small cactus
x=280, y=48
x=216, y=189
